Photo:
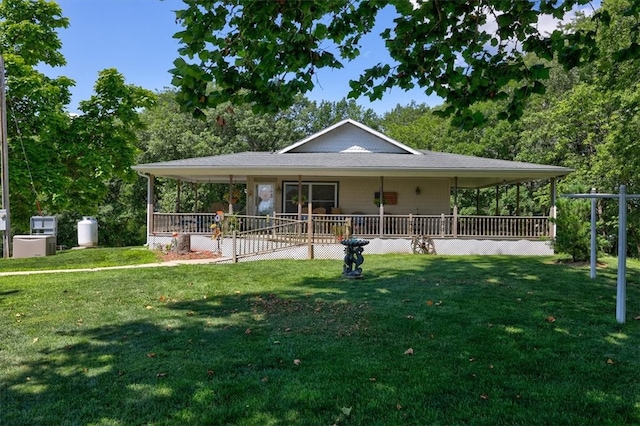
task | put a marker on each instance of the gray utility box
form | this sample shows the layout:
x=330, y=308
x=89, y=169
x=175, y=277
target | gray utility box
x=34, y=245
x=46, y=225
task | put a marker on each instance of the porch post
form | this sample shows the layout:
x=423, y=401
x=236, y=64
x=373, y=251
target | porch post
x=179, y=184
x=455, y=192
x=150, y=206
x=498, y=200
x=553, y=214
x=299, y=197
x=310, y=231
x=381, y=213
x=195, y=203
x=455, y=221
x=455, y=207
x=518, y=199
x=230, y=194
x=478, y=201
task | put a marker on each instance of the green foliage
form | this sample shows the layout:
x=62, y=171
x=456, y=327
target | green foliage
x=586, y=120
x=171, y=134
x=573, y=229
x=58, y=164
x=265, y=54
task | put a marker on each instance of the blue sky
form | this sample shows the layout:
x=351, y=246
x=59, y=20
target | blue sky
x=135, y=37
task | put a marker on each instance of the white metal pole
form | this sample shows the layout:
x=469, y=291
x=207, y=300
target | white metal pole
x=554, y=210
x=5, y=162
x=621, y=296
x=594, y=258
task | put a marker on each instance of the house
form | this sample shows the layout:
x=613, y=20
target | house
x=349, y=174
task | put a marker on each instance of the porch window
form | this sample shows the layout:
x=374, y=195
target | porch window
x=321, y=194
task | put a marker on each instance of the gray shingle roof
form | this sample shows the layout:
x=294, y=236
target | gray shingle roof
x=482, y=171
x=471, y=172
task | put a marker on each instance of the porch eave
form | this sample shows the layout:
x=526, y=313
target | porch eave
x=466, y=178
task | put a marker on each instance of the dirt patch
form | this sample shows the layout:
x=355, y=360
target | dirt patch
x=190, y=255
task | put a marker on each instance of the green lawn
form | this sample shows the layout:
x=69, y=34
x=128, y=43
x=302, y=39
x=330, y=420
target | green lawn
x=87, y=258
x=494, y=341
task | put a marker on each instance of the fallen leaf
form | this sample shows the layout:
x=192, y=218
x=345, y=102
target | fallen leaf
x=409, y=351
x=297, y=361
x=35, y=340
x=162, y=298
x=209, y=372
x=409, y=316
x=120, y=373
x=149, y=307
x=247, y=331
x=484, y=396
x=471, y=359
x=550, y=318
x=372, y=379
x=265, y=379
x=610, y=361
x=399, y=407
x=429, y=302
x=161, y=375
x=346, y=411
x=151, y=355
x=288, y=329
x=637, y=318
x=190, y=313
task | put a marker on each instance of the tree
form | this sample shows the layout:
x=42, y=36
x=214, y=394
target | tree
x=264, y=53
x=59, y=163
x=171, y=134
x=573, y=235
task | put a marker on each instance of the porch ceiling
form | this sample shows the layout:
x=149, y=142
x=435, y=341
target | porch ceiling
x=471, y=172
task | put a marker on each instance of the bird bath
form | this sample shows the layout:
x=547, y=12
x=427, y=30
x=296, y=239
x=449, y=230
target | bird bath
x=353, y=257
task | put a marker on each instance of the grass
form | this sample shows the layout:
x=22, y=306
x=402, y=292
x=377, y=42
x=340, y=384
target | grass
x=87, y=258
x=495, y=340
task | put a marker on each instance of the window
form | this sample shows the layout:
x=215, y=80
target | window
x=321, y=194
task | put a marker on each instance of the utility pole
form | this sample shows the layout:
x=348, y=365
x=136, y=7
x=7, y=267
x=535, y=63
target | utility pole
x=5, y=163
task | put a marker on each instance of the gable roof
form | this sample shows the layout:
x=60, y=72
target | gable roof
x=332, y=152
x=349, y=136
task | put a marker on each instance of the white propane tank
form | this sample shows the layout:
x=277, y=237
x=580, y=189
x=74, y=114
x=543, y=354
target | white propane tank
x=88, y=232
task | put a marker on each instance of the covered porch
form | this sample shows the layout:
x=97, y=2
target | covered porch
x=350, y=180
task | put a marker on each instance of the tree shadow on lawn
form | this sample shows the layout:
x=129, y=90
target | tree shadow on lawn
x=5, y=293
x=491, y=343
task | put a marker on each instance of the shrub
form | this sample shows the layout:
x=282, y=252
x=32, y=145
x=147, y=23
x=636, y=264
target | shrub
x=573, y=229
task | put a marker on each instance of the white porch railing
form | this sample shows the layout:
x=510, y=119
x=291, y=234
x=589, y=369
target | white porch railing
x=328, y=228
